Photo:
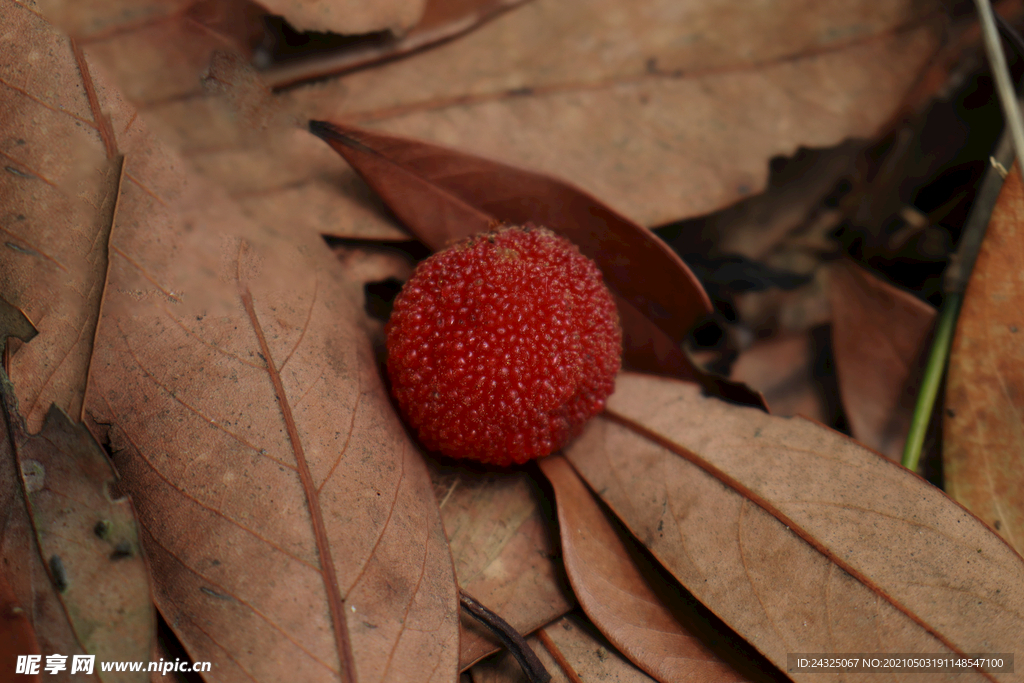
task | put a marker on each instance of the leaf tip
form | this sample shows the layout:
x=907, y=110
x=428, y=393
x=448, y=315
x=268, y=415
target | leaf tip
x=321, y=129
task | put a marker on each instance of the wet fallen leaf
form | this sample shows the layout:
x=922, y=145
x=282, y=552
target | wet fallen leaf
x=982, y=423
x=665, y=110
x=879, y=337
x=504, y=553
x=797, y=537
x=283, y=508
x=637, y=613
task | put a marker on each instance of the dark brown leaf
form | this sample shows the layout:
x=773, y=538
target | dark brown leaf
x=800, y=539
x=23, y=567
x=443, y=195
x=636, y=612
x=89, y=542
x=983, y=428
x=17, y=637
x=879, y=337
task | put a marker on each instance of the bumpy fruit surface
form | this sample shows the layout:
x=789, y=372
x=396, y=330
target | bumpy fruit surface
x=501, y=347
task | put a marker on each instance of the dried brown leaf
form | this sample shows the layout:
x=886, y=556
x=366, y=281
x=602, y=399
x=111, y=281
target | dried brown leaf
x=665, y=110
x=61, y=183
x=797, y=537
x=246, y=409
x=636, y=612
x=879, y=337
x=504, y=553
x=282, y=505
x=983, y=430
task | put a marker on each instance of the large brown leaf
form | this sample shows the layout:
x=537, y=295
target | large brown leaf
x=664, y=109
x=282, y=504
x=797, y=537
x=638, y=613
x=879, y=337
x=983, y=429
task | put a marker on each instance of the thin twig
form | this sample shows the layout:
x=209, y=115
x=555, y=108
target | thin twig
x=1004, y=86
x=509, y=637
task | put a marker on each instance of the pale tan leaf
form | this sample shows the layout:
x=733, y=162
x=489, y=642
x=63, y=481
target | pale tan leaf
x=797, y=537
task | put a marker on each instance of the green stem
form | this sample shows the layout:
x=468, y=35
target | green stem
x=932, y=379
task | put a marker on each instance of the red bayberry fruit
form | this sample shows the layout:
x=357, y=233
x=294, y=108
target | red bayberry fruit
x=502, y=346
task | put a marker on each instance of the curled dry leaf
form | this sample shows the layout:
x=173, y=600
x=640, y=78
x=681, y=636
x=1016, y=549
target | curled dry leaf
x=441, y=20
x=800, y=539
x=60, y=185
x=982, y=425
x=283, y=508
x=631, y=609
x=880, y=337
x=504, y=553
x=348, y=16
